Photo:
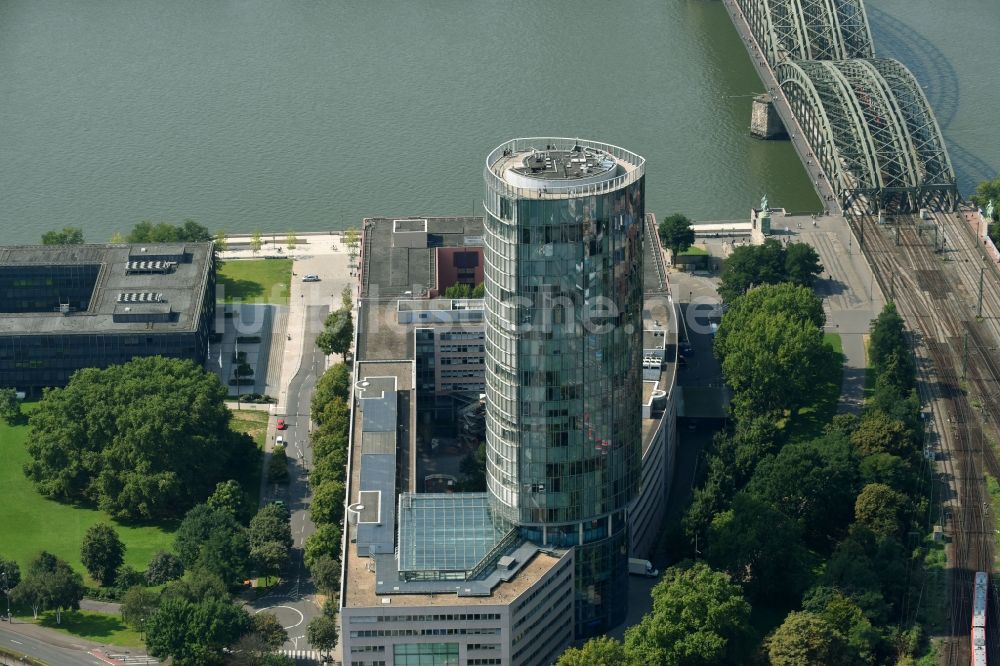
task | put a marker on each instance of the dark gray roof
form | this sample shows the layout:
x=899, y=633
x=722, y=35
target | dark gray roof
x=395, y=261
x=179, y=292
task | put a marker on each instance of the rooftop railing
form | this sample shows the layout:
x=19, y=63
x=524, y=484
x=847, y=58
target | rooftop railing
x=496, y=182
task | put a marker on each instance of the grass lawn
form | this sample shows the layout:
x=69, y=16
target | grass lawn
x=92, y=626
x=809, y=422
x=256, y=280
x=253, y=423
x=694, y=251
x=30, y=523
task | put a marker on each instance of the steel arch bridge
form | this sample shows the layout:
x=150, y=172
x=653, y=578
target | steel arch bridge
x=809, y=29
x=873, y=132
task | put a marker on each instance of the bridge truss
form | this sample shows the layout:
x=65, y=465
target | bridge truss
x=871, y=129
x=809, y=29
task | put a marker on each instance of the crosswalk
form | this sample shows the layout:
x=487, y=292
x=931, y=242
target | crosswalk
x=308, y=656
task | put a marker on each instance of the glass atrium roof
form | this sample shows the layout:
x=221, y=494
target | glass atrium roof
x=446, y=532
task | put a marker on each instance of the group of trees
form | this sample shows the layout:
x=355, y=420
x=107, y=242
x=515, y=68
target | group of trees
x=48, y=584
x=771, y=263
x=64, y=236
x=145, y=440
x=163, y=232
x=337, y=335
x=771, y=348
x=462, y=290
x=331, y=413
x=820, y=527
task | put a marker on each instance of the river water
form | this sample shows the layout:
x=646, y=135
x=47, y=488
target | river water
x=311, y=114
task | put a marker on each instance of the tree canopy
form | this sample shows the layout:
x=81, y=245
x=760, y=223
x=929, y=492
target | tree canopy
x=164, y=232
x=335, y=382
x=64, y=236
x=699, y=616
x=769, y=263
x=194, y=633
x=143, y=440
x=807, y=639
x=49, y=584
x=213, y=540
x=102, y=552
x=771, y=347
x=10, y=406
x=676, y=233
x=337, y=334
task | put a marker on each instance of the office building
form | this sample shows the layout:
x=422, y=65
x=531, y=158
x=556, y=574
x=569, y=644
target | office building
x=580, y=416
x=66, y=307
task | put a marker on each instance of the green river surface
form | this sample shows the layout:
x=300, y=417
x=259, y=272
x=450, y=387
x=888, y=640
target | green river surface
x=279, y=114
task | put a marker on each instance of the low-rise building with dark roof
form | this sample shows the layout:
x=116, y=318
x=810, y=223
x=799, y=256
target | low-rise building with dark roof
x=67, y=307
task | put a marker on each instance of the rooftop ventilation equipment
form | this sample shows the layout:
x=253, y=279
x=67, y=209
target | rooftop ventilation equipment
x=150, y=266
x=140, y=297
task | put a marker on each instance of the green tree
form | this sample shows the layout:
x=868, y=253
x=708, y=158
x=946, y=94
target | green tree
x=230, y=497
x=335, y=416
x=124, y=438
x=807, y=639
x=600, y=651
x=197, y=585
x=213, y=539
x=325, y=541
x=863, y=640
x=117, y=238
x=10, y=406
x=327, y=504
x=221, y=241
x=65, y=236
x=256, y=242
x=346, y=298
x=163, y=232
x=802, y=264
x=888, y=336
x=194, y=634
x=881, y=509
x=677, y=234
x=102, y=552
x=322, y=633
x=479, y=291
x=335, y=382
x=458, y=290
x=10, y=576
x=758, y=545
x=987, y=191
x=138, y=605
x=163, y=568
x=291, y=240
x=329, y=468
x=785, y=299
x=337, y=334
x=277, y=467
x=270, y=539
x=50, y=583
x=813, y=483
x=267, y=626
x=753, y=265
x=879, y=433
x=779, y=362
x=325, y=571
x=352, y=238
x=699, y=617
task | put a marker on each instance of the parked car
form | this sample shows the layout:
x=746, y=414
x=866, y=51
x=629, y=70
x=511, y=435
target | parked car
x=281, y=424
x=312, y=277
x=279, y=441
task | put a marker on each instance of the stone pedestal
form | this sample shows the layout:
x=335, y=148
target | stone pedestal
x=764, y=120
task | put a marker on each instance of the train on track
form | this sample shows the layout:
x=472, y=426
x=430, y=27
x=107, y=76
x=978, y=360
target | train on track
x=980, y=591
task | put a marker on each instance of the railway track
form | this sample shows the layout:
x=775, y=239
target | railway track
x=957, y=361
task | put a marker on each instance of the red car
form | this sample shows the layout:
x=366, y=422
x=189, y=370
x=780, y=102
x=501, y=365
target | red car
x=281, y=424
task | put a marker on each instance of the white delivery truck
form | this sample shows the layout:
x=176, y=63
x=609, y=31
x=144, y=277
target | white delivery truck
x=642, y=568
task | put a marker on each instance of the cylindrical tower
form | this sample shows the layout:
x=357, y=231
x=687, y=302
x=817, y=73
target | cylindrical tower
x=563, y=263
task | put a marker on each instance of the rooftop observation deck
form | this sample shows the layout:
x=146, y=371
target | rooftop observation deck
x=560, y=168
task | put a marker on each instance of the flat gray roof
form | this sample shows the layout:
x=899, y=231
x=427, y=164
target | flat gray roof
x=181, y=289
x=392, y=267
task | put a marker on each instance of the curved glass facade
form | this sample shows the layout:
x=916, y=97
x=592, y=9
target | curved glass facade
x=563, y=273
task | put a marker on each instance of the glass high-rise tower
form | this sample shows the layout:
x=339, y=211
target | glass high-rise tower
x=563, y=268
